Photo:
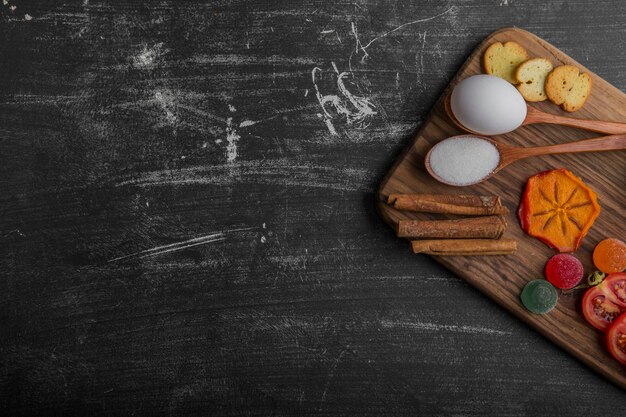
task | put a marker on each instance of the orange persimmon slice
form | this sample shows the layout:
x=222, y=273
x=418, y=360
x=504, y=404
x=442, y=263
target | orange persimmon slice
x=558, y=209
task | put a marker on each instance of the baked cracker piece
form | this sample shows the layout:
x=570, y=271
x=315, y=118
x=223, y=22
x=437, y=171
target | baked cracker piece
x=568, y=87
x=531, y=76
x=502, y=59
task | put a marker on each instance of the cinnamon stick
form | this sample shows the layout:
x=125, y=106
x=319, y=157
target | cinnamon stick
x=469, y=205
x=449, y=247
x=486, y=227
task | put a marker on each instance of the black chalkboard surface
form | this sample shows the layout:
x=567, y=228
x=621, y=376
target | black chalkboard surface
x=187, y=212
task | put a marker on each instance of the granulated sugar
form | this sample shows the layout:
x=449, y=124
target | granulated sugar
x=464, y=160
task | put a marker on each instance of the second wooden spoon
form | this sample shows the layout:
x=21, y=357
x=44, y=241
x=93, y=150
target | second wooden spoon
x=510, y=154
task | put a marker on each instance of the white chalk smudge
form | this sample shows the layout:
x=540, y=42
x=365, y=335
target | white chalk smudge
x=28, y=17
x=178, y=246
x=419, y=61
x=247, y=123
x=148, y=56
x=159, y=250
x=360, y=48
x=364, y=48
x=277, y=113
x=289, y=262
x=202, y=113
x=331, y=127
x=356, y=109
x=281, y=172
x=504, y=2
x=179, y=114
x=327, y=31
x=20, y=234
x=331, y=375
x=357, y=41
x=19, y=99
x=439, y=327
x=80, y=32
x=240, y=59
x=306, y=92
x=232, y=137
x=165, y=100
x=263, y=240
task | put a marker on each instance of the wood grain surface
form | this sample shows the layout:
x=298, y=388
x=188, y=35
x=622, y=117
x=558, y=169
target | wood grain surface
x=185, y=231
x=503, y=277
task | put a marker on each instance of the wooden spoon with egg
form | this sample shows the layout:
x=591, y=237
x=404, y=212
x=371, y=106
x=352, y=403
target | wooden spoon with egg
x=488, y=105
x=537, y=116
x=460, y=156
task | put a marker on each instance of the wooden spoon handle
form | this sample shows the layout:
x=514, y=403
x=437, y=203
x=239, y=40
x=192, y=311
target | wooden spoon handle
x=603, y=143
x=611, y=128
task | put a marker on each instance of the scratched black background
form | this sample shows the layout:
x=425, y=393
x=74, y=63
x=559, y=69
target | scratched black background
x=127, y=126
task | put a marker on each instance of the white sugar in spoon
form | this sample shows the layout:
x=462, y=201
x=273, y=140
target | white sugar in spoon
x=468, y=159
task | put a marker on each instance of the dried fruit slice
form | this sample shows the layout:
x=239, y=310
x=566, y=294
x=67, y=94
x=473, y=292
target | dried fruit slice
x=558, y=209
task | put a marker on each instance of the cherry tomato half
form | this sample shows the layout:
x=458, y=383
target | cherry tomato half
x=616, y=339
x=604, y=303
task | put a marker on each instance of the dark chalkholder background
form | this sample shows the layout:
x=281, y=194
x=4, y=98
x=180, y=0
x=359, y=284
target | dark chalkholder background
x=127, y=126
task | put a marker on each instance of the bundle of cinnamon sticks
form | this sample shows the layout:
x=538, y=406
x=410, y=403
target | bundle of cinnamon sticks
x=478, y=235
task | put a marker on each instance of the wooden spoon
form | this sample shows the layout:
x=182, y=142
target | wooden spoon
x=537, y=116
x=510, y=154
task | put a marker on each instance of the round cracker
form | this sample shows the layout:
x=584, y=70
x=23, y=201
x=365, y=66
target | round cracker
x=502, y=59
x=531, y=76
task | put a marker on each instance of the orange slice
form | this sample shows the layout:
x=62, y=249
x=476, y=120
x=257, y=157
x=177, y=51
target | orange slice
x=558, y=208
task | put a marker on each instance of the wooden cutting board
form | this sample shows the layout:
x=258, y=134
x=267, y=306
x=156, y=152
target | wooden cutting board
x=502, y=278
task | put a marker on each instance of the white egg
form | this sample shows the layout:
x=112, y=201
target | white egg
x=488, y=105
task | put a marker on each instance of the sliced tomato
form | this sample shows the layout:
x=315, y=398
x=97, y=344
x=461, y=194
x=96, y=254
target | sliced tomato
x=604, y=303
x=616, y=339
x=617, y=284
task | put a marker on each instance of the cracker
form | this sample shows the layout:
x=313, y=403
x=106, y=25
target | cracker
x=568, y=87
x=502, y=59
x=531, y=76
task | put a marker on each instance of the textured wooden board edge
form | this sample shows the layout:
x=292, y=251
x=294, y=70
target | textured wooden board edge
x=609, y=374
